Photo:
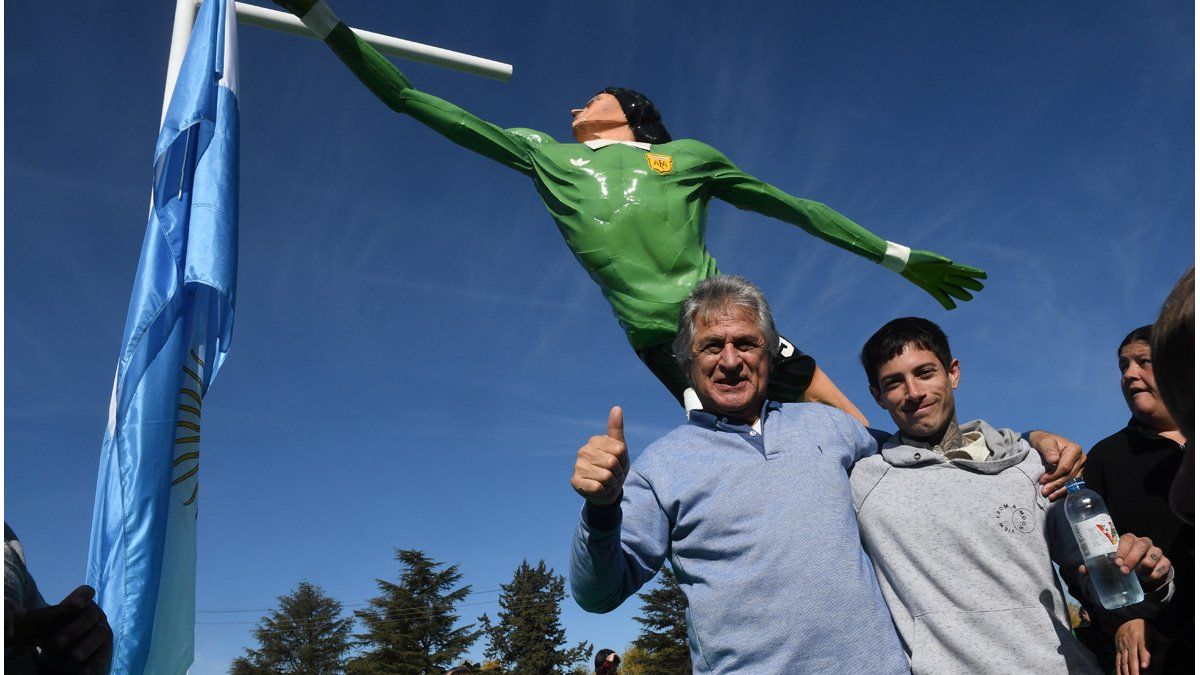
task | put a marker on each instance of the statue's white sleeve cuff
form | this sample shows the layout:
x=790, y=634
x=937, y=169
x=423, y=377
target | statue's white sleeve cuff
x=895, y=258
x=320, y=20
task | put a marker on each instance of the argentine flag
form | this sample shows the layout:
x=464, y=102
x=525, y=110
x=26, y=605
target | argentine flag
x=142, y=560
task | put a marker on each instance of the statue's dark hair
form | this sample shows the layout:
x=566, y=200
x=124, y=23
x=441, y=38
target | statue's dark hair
x=642, y=115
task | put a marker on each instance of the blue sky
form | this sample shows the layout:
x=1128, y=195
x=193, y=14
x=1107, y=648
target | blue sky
x=417, y=356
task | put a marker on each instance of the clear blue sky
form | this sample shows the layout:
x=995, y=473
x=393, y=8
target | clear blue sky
x=417, y=356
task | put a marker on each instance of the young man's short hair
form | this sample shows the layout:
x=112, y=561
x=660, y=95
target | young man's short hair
x=888, y=342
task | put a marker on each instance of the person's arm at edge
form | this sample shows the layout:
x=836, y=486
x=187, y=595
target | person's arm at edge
x=396, y=91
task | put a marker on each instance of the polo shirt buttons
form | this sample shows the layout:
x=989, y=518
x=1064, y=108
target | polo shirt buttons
x=917, y=455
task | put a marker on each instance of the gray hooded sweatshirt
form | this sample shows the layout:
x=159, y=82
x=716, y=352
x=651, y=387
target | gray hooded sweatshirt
x=963, y=552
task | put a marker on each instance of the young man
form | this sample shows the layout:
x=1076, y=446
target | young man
x=632, y=204
x=958, y=532
x=1132, y=470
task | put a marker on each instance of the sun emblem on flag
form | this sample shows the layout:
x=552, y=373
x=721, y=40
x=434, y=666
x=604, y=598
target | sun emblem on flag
x=187, y=426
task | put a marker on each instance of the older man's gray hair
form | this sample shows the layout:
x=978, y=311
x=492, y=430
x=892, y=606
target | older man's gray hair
x=714, y=295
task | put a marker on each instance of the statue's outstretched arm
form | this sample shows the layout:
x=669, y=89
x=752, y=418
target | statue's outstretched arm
x=942, y=278
x=394, y=89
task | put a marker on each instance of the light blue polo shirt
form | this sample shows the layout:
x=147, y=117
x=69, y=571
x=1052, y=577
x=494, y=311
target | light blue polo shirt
x=761, y=534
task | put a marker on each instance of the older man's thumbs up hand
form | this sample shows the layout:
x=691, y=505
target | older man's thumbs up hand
x=602, y=464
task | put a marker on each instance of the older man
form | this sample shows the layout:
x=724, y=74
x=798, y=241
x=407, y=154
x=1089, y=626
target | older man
x=632, y=205
x=750, y=500
x=961, y=537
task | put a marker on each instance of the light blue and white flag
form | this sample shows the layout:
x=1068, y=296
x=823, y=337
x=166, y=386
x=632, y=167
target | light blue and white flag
x=143, y=544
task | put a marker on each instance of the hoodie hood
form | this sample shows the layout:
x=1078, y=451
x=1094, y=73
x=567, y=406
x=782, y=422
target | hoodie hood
x=1006, y=446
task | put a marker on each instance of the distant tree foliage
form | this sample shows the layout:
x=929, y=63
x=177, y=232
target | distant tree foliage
x=410, y=625
x=527, y=636
x=304, y=635
x=634, y=662
x=663, y=638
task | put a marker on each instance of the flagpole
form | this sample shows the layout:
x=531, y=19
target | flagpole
x=185, y=17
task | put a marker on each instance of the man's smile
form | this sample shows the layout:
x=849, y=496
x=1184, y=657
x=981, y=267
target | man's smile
x=920, y=410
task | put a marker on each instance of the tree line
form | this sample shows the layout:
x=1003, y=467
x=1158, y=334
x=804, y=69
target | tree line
x=413, y=627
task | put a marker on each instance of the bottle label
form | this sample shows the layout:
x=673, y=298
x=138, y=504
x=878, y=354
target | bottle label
x=1096, y=536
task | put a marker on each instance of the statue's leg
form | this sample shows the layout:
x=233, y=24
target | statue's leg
x=795, y=377
x=660, y=359
x=791, y=374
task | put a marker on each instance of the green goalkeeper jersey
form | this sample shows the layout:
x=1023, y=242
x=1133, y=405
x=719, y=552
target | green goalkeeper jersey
x=634, y=215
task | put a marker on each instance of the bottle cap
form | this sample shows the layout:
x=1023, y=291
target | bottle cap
x=1075, y=485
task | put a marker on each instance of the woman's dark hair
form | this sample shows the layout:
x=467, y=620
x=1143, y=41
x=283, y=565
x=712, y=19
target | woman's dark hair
x=603, y=665
x=1142, y=334
x=642, y=115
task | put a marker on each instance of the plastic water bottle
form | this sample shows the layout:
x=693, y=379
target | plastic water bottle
x=1097, y=539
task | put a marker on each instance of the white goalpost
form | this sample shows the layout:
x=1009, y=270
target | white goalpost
x=185, y=17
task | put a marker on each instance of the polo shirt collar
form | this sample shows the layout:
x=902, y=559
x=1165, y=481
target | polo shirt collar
x=702, y=418
x=605, y=142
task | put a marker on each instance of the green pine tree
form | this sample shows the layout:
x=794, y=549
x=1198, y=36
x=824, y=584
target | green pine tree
x=410, y=625
x=527, y=636
x=304, y=635
x=663, y=638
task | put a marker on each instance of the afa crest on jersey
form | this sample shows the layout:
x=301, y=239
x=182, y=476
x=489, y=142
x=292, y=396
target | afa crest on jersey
x=660, y=163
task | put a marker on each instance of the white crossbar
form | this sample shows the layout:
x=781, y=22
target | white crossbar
x=392, y=46
x=185, y=18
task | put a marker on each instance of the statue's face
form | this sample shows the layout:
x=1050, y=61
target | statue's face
x=601, y=118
